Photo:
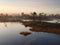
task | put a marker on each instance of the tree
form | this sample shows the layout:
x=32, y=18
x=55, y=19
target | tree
x=34, y=14
x=22, y=14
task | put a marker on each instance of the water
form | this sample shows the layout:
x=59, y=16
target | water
x=54, y=21
x=10, y=35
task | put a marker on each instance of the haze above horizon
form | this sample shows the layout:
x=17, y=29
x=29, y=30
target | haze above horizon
x=27, y=6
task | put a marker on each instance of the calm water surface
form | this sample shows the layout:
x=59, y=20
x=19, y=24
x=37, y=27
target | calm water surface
x=10, y=35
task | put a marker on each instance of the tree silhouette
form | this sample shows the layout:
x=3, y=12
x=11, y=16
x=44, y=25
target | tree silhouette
x=22, y=14
x=34, y=14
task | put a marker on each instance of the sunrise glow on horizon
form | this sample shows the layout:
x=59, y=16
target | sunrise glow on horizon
x=27, y=6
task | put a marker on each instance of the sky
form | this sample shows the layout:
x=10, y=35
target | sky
x=27, y=6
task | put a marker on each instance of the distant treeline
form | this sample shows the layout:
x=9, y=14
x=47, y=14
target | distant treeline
x=40, y=16
x=32, y=16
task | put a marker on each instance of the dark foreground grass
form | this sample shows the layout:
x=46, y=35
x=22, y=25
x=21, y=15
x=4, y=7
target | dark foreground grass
x=39, y=23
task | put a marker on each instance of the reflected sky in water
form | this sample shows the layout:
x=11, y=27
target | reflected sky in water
x=9, y=34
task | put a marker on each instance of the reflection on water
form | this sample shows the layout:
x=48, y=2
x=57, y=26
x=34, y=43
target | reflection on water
x=12, y=33
x=5, y=25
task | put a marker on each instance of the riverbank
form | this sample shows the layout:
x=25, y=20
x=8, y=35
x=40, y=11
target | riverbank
x=38, y=26
x=39, y=23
